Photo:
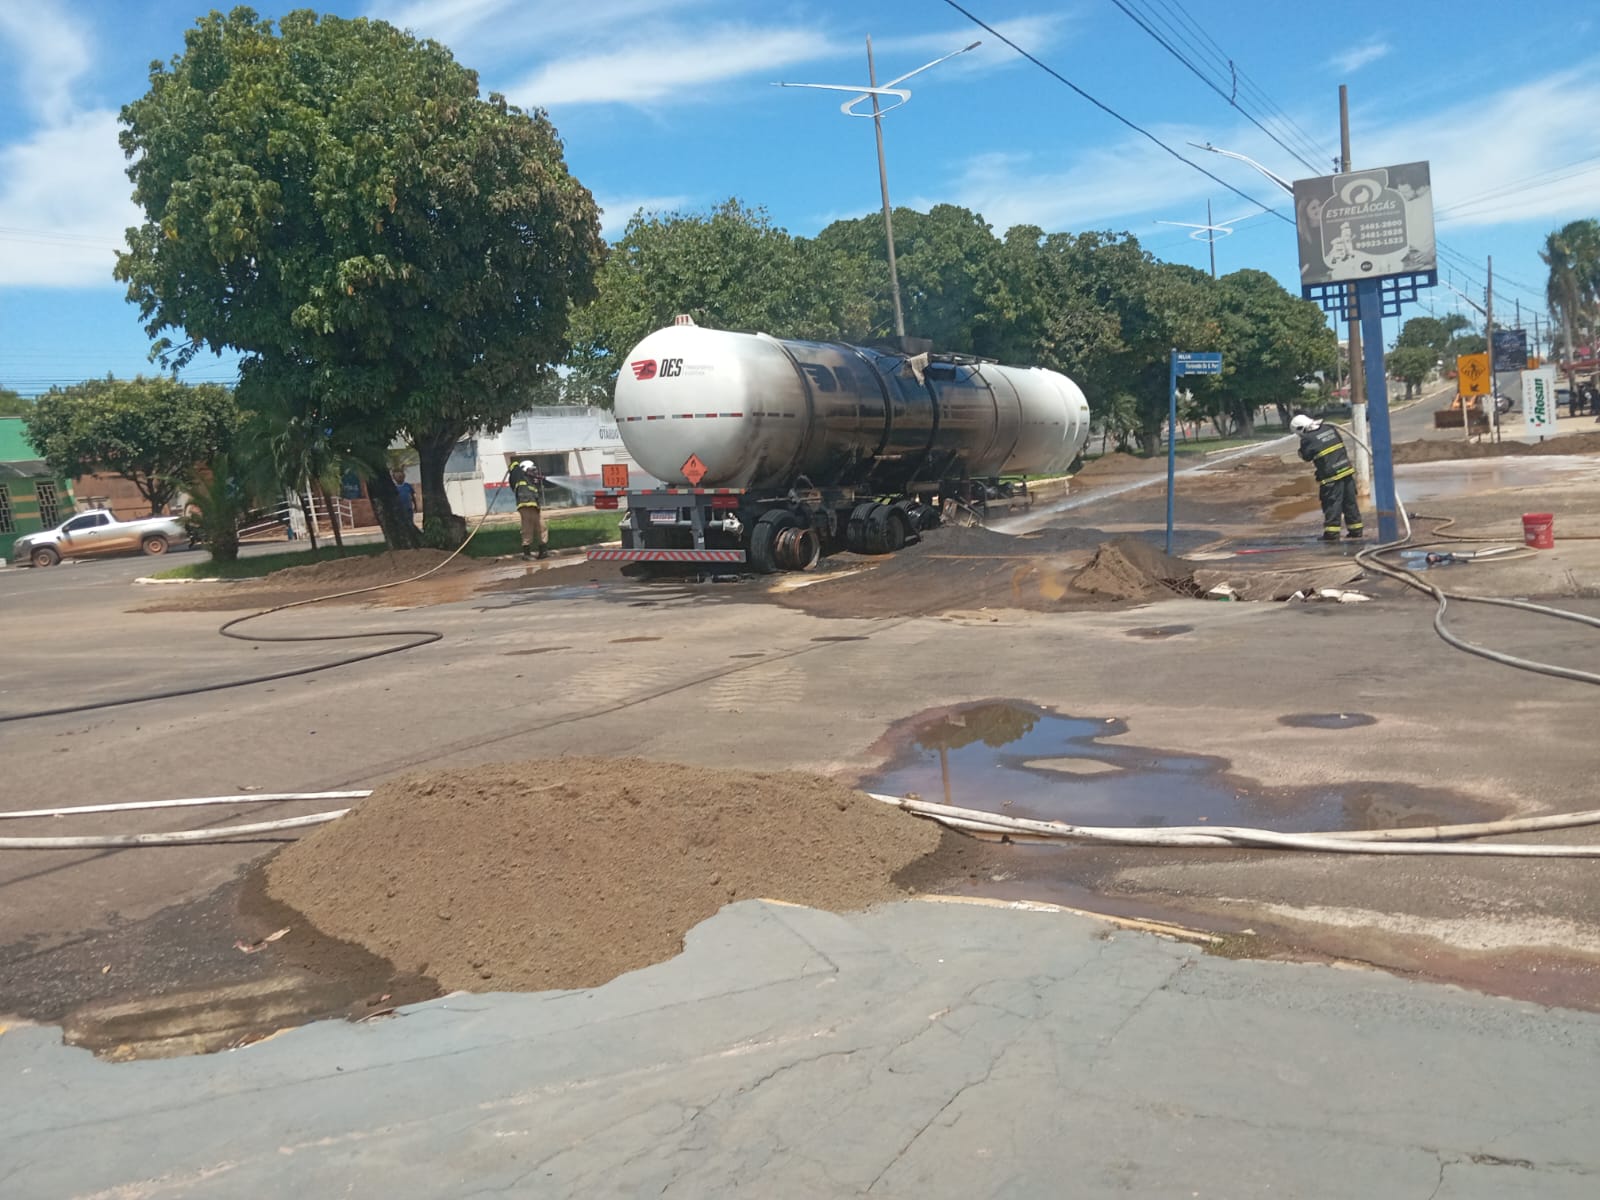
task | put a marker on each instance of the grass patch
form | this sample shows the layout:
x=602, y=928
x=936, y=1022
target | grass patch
x=579, y=529
x=566, y=533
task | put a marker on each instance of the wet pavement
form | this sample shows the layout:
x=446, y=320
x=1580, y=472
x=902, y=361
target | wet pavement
x=916, y=1050
x=1023, y=760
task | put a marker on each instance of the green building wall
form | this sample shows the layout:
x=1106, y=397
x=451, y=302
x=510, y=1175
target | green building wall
x=21, y=473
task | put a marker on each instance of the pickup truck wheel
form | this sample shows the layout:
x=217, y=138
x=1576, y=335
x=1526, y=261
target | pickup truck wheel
x=45, y=556
x=156, y=543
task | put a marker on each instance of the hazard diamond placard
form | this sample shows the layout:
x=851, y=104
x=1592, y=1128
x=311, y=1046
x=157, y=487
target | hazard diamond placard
x=694, y=470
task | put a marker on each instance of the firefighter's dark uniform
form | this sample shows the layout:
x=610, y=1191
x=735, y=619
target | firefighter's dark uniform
x=525, y=486
x=1323, y=448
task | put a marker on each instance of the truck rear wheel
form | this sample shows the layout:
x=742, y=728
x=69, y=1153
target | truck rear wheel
x=781, y=541
x=156, y=543
x=45, y=556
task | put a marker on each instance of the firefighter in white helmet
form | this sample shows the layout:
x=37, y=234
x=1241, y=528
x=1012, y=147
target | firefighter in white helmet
x=1323, y=448
x=527, y=486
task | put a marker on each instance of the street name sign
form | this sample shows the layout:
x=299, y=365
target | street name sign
x=1197, y=362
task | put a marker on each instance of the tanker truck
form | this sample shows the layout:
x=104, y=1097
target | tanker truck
x=772, y=453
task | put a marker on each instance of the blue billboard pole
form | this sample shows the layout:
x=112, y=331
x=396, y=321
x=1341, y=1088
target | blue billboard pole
x=1368, y=301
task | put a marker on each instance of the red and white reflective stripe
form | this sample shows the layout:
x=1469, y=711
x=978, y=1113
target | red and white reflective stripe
x=683, y=556
x=682, y=492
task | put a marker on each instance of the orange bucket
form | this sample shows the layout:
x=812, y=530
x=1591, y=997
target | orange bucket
x=1539, y=530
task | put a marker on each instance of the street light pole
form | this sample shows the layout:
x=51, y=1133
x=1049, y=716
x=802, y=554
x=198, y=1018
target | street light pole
x=883, y=182
x=900, y=95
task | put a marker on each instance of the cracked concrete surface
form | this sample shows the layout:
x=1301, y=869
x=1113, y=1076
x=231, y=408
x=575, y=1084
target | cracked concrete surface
x=918, y=1049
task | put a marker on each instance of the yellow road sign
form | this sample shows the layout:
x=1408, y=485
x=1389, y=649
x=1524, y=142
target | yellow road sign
x=1472, y=370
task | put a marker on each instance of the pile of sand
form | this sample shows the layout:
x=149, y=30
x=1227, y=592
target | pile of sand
x=1118, y=464
x=565, y=873
x=363, y=570
x=1439, y=450
x=1128, y=569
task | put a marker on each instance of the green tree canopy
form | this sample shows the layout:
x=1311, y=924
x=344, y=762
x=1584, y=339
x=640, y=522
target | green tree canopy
x=1412, y=365
x=1573, y=255
x=154, y=432
x=14, y=404
x=1272, y=343
x=392, y=254
x=1431, y=333
x=730, y=268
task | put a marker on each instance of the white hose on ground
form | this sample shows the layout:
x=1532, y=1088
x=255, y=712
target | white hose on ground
x=1368, y=557
x=195, y=802
x=181, y=838
x=1384, y=841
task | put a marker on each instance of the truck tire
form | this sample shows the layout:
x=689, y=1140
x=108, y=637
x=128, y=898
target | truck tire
x=763, y=557
x=887, y=530
x=45, y=556
x=156, y=543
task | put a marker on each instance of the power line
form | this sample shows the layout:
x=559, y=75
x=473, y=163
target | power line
x=1561, y=174
x=1232, y=101
x=1242, y=81
x=1111, y=112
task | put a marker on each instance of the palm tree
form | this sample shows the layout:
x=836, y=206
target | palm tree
x=1573, y=255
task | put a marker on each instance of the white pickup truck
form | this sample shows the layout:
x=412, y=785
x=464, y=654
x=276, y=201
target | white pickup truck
x=94, y=533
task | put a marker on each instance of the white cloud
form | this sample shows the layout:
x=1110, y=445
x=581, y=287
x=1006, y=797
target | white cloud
x=1353, y=59
x=1490, y=142
x=1111, y=186
x=617, y=211
x=486, y=30
x=49, y=54
x=1036, y=35
x=64, y=204
x=678, y=68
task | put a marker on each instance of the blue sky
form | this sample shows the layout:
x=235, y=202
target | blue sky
x=669, y=104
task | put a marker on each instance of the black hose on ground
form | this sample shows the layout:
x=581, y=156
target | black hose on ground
x=417, y=638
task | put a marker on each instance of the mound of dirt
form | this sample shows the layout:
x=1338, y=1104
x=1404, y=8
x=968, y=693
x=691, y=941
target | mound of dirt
x=1120, y=464
x=565, y=873
x=362, y=570
x=1128, y=569
x=1443, y=450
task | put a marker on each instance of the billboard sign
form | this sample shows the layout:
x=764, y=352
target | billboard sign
x=1539, y=403
x=1365, y=224
x=1510, y=350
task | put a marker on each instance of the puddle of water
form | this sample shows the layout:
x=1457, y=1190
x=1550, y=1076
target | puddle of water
x=1160, y=631
x=1022, y=760
x=1327, y=720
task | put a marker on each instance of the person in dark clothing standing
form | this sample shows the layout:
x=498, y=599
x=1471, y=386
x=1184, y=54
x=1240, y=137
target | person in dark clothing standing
x=1323, y=448
x=526, y=486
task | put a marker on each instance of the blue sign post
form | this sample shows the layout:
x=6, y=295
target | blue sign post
x=1184, y=362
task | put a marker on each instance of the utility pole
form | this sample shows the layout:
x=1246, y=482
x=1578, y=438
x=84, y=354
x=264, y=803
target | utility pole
x=883, y=181
x=1488, y=331
x=1211, y=239
x=1358, y=388
x=1538, y=341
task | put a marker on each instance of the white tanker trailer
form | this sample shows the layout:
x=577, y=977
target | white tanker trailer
x=774, y=453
